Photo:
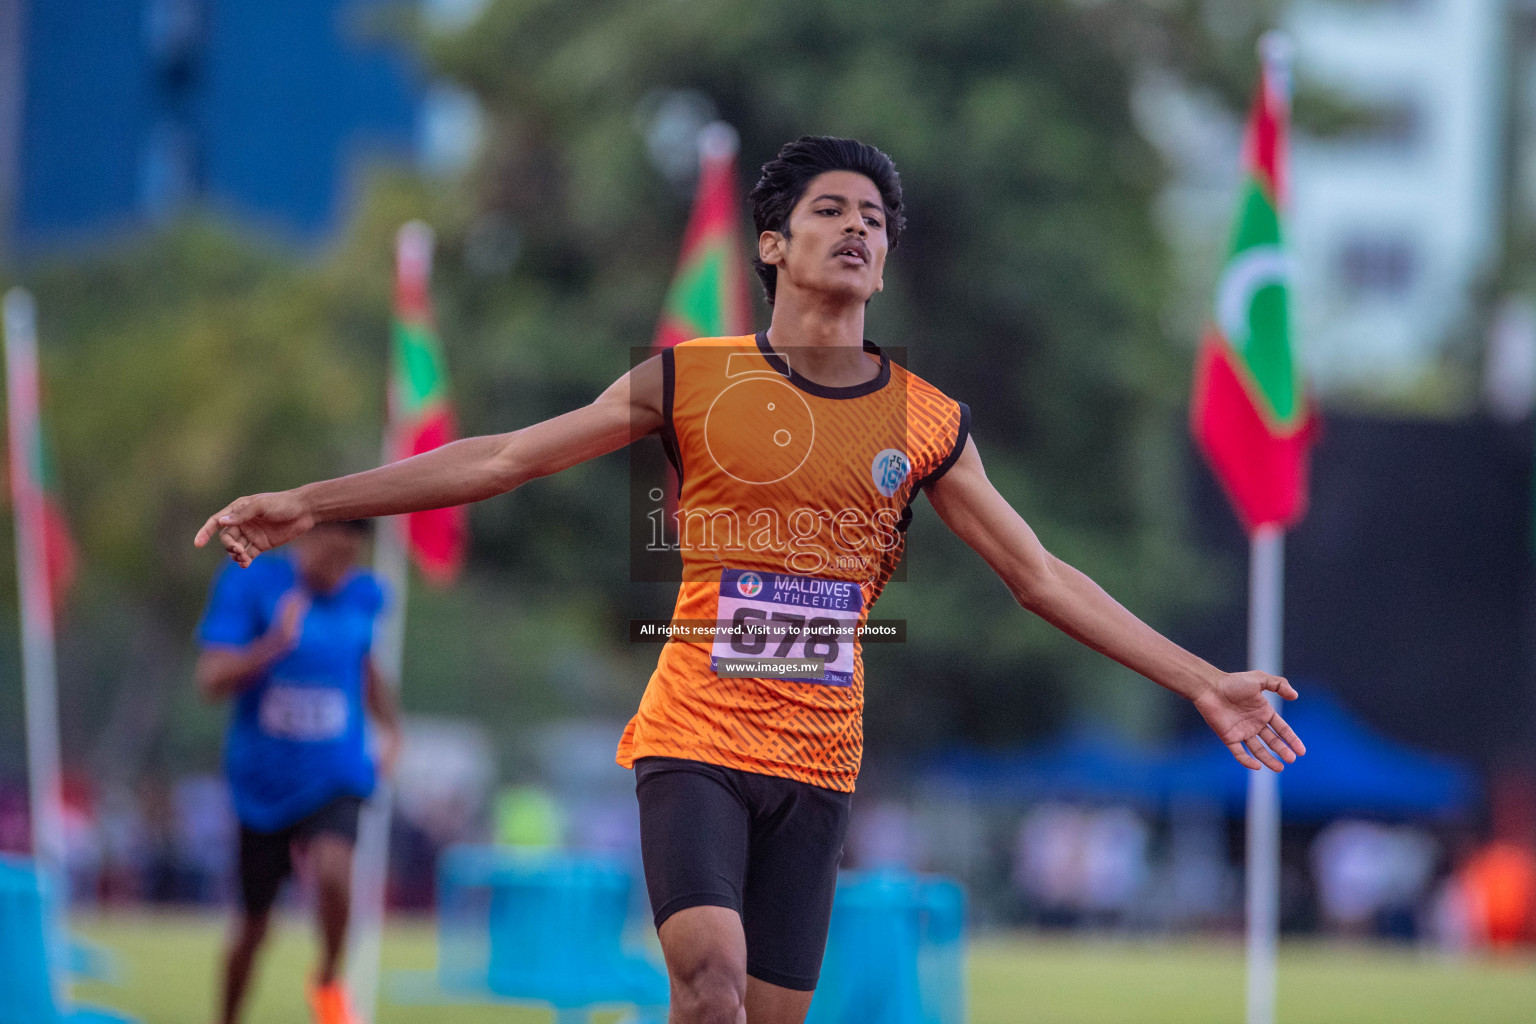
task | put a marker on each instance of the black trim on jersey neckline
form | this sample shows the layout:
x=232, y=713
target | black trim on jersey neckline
x=810, y=387
x=954, y=453
x=668, y=429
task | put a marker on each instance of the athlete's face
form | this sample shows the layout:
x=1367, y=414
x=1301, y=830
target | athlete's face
x=836, y=242
x=326, y=554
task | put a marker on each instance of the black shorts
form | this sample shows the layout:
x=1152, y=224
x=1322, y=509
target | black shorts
x=266, y=857
x=766, y=847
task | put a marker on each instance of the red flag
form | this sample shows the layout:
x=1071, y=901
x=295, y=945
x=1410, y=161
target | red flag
x=420, y=412
x=31, y=473
x=61, y=554
x=59, y=549
x=708, y=297
x=1250, y=413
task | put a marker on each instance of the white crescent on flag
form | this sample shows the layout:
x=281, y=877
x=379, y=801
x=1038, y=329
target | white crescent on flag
x=1248, y=273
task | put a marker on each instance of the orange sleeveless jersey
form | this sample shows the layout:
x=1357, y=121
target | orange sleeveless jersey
x=792, y=516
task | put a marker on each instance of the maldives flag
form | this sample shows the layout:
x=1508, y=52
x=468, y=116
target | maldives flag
x=34, y=492
x=420, y=414
x=708, y=297
x=1250, y=413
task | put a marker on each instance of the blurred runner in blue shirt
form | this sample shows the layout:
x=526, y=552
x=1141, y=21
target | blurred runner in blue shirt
x=288, y=638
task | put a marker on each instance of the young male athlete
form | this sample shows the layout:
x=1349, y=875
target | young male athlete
x=800, y=451
x=288, y=640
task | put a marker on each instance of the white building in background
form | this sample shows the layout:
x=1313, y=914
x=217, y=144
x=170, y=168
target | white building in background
x=1395, y=227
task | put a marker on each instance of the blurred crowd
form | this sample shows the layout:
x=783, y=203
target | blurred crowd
x=1121, y=868
x=1064, y=865
x=1454, y=885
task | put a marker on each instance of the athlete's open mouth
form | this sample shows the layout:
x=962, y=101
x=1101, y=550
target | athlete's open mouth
x=855, y=250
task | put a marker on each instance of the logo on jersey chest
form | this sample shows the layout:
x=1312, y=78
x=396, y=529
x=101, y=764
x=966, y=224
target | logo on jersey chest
x=889, y=471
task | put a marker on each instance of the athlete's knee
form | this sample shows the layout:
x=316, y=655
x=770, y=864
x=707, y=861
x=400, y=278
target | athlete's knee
x=709, y=989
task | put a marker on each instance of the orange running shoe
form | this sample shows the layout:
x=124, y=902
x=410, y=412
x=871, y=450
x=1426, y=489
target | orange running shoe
x=330, y=1004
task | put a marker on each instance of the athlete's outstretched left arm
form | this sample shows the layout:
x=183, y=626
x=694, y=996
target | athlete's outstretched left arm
x=1233, y=704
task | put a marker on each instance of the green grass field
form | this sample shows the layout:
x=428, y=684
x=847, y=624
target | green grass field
x=168, y=965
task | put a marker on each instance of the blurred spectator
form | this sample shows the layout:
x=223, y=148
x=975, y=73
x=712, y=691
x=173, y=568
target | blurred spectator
x=1114, y=861
x=1371, y=878
x=162, y=870
x=1450, y=917
x=124, y=843
x=204, y=836
x=528, y=817
x=1195, y=886
x=883, y=837
x=605, y=824
x=444, y=777
x=412, y=865
x=1046, y=861
x=15, y=834
x=1498, y=895
x=82, y=844
x=1491, y=900
x=1079, y=864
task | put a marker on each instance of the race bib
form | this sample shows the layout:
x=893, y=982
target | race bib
x=767, y=617
x=308, y=714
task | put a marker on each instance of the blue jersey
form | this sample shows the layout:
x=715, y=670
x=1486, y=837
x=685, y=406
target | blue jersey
x=297, y=739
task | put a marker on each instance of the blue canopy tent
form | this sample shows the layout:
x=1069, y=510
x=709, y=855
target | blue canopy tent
x=1088, y=763
x=1349, y=769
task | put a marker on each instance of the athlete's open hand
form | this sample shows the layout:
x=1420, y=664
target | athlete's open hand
x=1237, y=710
x=248, y=526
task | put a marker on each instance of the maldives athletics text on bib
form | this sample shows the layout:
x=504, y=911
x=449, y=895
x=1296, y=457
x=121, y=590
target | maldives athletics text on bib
x=776, y=615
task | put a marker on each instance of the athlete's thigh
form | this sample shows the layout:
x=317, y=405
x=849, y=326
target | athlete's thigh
x=327, y=859
x=326, y=839
x=791, y=876
x=694, y=830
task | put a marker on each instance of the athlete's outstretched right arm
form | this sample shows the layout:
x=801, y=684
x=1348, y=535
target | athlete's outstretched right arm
x=469, y=470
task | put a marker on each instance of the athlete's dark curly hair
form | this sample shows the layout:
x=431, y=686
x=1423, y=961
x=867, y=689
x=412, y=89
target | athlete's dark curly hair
x=787, y=175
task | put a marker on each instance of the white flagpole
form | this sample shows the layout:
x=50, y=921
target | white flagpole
x=1266, y=588
x=37, y=664
x=370, y=862
x=1266, y=593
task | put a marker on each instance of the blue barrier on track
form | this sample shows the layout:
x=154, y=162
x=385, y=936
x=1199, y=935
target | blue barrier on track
x=35, y=953
x=542, y=928
x=895, y=952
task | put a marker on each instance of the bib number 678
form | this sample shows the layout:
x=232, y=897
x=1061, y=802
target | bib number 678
x=751, y=630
